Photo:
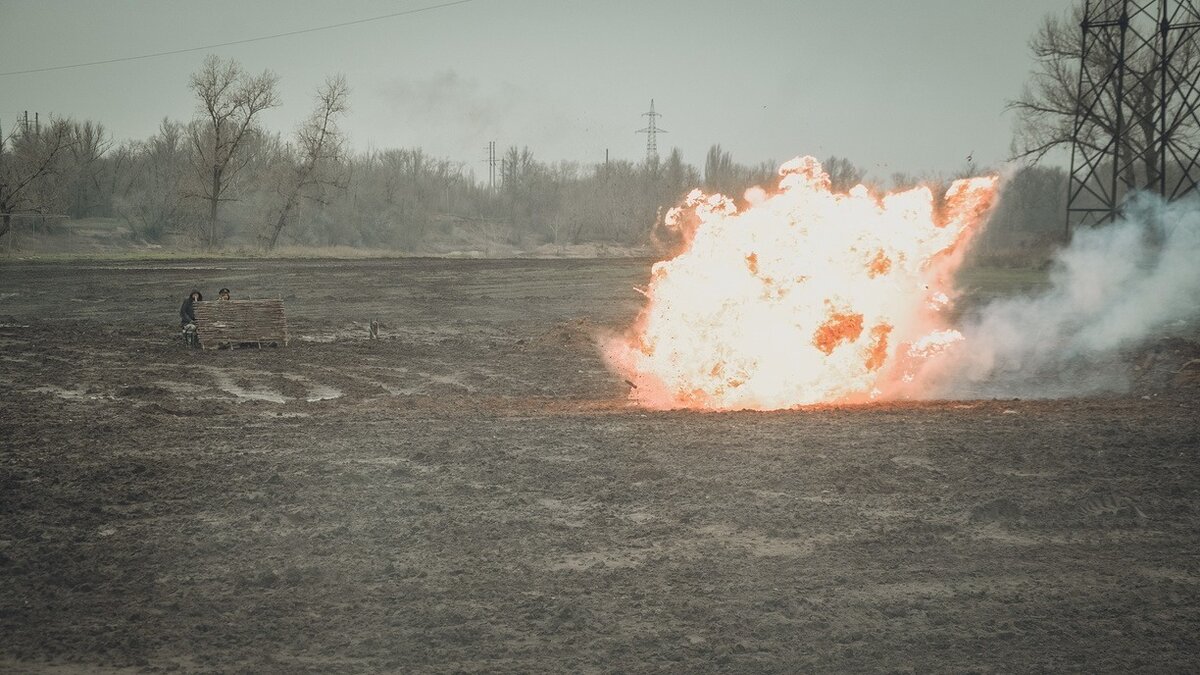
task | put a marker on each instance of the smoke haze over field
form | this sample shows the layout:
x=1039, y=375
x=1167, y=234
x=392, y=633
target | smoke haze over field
x=1112, y=290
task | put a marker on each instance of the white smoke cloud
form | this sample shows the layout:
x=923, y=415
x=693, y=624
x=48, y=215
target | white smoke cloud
x=455, y=116
x=1114, y=289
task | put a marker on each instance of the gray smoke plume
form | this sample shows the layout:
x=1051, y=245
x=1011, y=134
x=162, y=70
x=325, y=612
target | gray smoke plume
x=1113, y=291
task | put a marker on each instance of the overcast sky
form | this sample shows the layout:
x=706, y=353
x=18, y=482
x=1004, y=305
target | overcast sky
x=912, y=85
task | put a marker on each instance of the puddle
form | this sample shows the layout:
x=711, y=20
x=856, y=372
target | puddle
x=321, y=392
x=316, y=391
x=226, y=384
x=910, y=462
x=399, y=373
x=449, y=381
x=393, y=391
x=76, y=394
x=396, y=391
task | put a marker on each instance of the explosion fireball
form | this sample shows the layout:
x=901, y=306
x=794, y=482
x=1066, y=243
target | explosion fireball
x=803, y=296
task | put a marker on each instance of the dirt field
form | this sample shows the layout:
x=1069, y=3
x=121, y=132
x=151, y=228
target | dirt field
x=471, y=492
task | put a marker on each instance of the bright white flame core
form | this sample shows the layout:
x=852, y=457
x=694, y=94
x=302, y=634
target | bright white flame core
x=805, y=296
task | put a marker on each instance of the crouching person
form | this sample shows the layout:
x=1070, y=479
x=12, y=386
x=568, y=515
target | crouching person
x=187, y=318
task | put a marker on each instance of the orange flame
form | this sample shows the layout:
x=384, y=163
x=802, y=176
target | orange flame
x=804, y=296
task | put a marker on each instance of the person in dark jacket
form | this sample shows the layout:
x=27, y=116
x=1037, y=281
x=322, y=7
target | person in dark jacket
x=186, y=313
x=187, y=318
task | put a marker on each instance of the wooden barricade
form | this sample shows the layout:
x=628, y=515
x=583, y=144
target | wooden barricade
x=238, y=323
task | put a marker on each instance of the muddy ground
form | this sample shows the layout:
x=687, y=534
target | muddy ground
x=471, y=492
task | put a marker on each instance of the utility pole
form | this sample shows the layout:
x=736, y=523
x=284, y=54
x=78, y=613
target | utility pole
x=491, y=164
x=495, y=163
x=652, y=132
x=2, y=143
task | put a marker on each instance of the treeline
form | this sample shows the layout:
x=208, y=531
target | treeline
x=222, y=179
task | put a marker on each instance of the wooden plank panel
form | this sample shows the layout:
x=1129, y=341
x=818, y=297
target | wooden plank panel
x=231, y=322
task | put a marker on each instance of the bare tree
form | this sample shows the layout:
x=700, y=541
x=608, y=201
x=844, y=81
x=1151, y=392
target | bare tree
x=1048, y=106
x=152, y=200
x=718, y=169
x=843, y=174
x=81, y=188
x=27, y=159
x=521, y=175
x=319, y=143
x=229, y=100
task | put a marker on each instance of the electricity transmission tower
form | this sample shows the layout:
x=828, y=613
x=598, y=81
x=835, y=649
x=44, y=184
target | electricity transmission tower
x=1137, y=116
x=491, y=162
x=652, y=132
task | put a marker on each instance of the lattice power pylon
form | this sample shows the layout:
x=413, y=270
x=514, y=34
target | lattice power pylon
x=1137, y=117
x=652, y=132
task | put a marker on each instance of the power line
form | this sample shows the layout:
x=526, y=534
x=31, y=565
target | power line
x=239, y=42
